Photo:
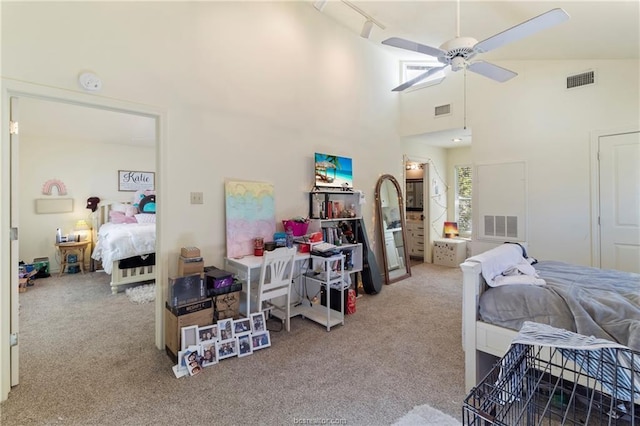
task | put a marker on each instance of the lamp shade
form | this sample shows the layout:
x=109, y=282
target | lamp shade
x=451, y=229
x=81, y=225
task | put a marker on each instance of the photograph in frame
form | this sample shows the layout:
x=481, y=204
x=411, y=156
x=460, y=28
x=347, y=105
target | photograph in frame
x=260, y=340
x=209, y=332
x=189, y=336
x=192, y=358
x=241, y=326
x=244, y=345
x=227, y=348
x=225, y=329
x=209, y=353
x=258, y=324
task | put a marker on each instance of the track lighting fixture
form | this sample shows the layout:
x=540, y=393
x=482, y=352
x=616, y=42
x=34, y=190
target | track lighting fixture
x=320, y=4
x=366, y=29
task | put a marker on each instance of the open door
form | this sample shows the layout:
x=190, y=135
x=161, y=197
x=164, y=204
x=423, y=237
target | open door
x=13, y=249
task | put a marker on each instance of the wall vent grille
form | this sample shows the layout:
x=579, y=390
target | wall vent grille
x=443, y=110
x=501, y=226
x=579, y=80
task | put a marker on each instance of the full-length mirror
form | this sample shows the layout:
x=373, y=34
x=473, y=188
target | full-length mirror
x=392, y=229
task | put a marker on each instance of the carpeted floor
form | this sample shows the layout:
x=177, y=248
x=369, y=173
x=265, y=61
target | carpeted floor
x=88, y=358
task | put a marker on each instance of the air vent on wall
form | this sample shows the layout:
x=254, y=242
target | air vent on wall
x=582, y=79
x=501, y=226
x=443, y=110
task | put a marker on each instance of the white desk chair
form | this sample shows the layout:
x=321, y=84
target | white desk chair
x=276, y=275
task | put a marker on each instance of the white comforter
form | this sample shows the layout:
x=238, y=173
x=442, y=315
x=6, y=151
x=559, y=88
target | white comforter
x=120, y=241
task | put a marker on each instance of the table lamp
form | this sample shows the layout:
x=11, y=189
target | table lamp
x=451, y=229
x=82, y=227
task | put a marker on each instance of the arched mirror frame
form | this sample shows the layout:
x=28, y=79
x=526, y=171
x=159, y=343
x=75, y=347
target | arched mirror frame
x=381, y=230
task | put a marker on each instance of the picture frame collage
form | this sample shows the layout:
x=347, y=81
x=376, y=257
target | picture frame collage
x=203, y=347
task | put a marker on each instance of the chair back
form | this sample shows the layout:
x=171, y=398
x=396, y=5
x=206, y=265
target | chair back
x=276, y=274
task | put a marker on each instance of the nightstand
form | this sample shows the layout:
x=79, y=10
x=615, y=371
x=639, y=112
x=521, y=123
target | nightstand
x=68, y=248
x=449, y=251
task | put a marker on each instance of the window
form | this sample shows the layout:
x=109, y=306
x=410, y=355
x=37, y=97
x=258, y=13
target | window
x=463, y=199
x=413, y=69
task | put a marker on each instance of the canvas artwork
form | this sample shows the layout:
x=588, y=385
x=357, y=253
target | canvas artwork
x=250, y=212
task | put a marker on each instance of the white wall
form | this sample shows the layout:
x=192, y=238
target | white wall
x=533, y=118
x=87, y=168
x=251, y=91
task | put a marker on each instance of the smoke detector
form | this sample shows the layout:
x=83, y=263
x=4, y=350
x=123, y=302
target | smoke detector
x=90, y=82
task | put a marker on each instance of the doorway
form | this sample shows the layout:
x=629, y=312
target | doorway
x=12, y=93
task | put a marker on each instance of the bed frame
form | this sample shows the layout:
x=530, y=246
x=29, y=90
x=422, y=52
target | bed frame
x=481, y=342
x=121, y=277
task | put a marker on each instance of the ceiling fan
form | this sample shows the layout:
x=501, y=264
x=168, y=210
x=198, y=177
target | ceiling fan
x=459, y=51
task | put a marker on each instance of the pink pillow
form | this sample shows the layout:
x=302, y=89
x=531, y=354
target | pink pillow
x=120, y=217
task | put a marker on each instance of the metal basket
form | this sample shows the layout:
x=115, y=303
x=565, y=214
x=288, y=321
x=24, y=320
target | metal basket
x=544, y=385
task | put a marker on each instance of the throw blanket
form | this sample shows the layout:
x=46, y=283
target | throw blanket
x=589, y=301
x=120, y=241
x=611, y=364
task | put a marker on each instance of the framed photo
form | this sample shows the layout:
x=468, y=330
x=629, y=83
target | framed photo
x=132, y=180
x=227, y=348
x=242, y=326
x=260, y=340
x=189, y=337
x=210, y=332
x=209, y=353
x=258, y=324
x=244, y=345
x=225, y=329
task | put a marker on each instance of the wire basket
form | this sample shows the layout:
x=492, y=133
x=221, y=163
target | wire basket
x=545, y=385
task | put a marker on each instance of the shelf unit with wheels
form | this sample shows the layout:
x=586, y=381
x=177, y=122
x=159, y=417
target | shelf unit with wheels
x=327, y=273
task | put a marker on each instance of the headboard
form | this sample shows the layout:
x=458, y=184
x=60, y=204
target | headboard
x=101, y=215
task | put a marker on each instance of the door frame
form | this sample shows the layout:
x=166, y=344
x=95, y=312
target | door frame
x=595, y=187
x=426, y=199
x=18, y=89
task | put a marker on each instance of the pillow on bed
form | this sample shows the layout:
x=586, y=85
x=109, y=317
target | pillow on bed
x=146, y=218
x=120, y=217
x=147, y=204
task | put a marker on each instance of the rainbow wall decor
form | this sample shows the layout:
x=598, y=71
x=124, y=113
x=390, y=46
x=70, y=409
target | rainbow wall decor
x=48, y=186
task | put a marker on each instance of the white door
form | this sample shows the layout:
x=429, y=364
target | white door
x=620, y=201
x=13, y=250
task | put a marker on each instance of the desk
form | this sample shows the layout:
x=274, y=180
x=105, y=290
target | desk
x=68, y=248
x=245, y=266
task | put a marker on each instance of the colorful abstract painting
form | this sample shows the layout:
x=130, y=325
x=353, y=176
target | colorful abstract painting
x=251, y=213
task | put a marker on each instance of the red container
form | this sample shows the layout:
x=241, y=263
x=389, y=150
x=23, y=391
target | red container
x=298, y=228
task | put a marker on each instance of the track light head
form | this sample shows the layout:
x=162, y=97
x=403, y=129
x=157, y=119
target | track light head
x=320, y=4
x=366, y=29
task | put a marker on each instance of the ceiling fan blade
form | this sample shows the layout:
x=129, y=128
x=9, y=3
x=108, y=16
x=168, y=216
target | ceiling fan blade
x=418, y=79
x=491, y=71
x=522, y=30
x=413, y=46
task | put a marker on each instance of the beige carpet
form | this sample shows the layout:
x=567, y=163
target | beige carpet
x=88, y=358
